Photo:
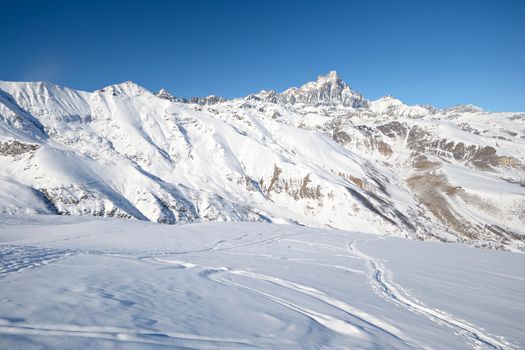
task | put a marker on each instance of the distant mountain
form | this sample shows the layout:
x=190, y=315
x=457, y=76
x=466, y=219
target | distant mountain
x=318, y=155
x=327, y=90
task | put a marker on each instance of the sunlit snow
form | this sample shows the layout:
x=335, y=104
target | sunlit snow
x=93, y=283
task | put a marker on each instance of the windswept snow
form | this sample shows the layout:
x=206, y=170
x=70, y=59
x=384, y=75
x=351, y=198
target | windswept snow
x=110, y=283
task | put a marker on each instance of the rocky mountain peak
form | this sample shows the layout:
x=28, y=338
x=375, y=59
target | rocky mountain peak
x=330, y=82
x=331, y=78
x=166, y=95
x=163, y=93
x=203, y=101
x=327, y=90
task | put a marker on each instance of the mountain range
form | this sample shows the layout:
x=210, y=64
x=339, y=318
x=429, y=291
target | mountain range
x=320, y=155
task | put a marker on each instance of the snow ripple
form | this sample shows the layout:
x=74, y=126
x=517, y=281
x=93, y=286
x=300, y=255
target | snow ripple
x=15, y=258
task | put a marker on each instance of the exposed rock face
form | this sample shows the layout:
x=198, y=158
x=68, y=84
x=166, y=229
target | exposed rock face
x=164, y=94
x=203, y=101
x=394, y=129
x=207, y=101
x=327, y=90
x=422, y=141
x=319, y=155
x=15, y=148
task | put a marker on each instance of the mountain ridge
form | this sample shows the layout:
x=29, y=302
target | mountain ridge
x=164, y=93
x=317, y=155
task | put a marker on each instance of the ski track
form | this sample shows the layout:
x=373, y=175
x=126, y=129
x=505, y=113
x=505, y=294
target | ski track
x=358, y=324
x=18, y=327
x=14, y=258
x=382, y=284
x=217, y=245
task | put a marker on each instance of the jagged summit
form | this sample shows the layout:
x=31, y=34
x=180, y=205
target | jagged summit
x=203, y=101
x=327, y=90
x=166, y=95
x=331, y=80
x=163, y=93
x=331, y=77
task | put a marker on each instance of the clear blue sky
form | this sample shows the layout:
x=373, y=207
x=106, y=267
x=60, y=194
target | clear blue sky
x=437, y=52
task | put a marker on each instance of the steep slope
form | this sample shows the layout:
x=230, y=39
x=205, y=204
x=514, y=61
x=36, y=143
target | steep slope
x=319, y=155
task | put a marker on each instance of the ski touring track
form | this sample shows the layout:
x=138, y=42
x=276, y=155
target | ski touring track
x=382, y=283
x=357, y=323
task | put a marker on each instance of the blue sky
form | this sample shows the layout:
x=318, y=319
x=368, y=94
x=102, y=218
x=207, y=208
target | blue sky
x=437, y=52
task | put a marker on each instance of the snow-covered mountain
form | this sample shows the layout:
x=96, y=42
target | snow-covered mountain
x=318, y=155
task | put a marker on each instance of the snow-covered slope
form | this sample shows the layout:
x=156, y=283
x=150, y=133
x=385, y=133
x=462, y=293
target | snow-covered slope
x=96, y=283
x=318, y=155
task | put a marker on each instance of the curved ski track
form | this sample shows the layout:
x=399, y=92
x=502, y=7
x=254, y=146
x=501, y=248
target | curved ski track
x=382, y=283
x=356, y=323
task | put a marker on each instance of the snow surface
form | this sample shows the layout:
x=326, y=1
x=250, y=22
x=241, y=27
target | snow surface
x=95, y=283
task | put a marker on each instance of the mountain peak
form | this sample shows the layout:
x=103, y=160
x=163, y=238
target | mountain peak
x=166, y=95
x=164, y=92
x=128, y=88
x=331, y=77
x=390, y=99
x=464, y=108
x=329, y=90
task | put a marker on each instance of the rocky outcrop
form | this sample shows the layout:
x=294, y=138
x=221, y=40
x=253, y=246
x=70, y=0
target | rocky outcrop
x=15, y=148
